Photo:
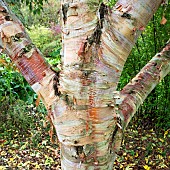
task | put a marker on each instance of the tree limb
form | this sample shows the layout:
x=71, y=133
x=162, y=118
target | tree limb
x=121, y=28
x=15, y=42
x=136, y=91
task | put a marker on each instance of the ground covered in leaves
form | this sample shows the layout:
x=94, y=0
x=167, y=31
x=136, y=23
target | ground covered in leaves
x=25, y=144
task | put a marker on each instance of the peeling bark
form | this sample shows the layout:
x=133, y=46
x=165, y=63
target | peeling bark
x=17, y=45
x=134, y=93
x=96, y=44
x=89, y=115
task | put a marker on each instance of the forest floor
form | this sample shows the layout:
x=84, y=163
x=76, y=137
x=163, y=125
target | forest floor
x=30, y=148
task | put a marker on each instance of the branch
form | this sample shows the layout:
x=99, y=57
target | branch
x=15, y=42
x=121, y=28
x=135, y=92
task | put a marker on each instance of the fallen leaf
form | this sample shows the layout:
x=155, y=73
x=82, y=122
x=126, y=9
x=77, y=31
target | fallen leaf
x=2, y=61
x=146, y=160
x=2, y=141
x=146, y=167
x=161, y=140
x=2, y=167
x=166, y=132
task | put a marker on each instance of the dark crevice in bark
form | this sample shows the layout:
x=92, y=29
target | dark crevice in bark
x=79, y=150
x=28, y=48
x=68, y=100
x=118, y=125
x=103, y=10
x=8, y=18
x=64, y=11
x=126, y=15
x=22, y=51
x=2, y=9
x=18, y=37
x=56, y=84
x=95, y=37
x=114, y=133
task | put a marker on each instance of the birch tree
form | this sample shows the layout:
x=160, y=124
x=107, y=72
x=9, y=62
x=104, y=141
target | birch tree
x=84, y=106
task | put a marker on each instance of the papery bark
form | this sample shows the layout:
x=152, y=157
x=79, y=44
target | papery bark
x=136, y=91
x=85, y=108
x=17, y=45
x=96, y=44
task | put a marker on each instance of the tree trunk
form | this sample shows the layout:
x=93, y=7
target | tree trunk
x=89, y=115
x=96, y=44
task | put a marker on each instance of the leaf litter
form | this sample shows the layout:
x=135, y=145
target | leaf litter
x=141, y=149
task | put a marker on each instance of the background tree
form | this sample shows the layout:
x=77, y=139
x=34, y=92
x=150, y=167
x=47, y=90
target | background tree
x=87, y=120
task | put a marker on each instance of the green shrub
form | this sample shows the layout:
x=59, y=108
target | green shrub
x=20, y=118
x=46, y=15
x=12, y=83
x=48, y=43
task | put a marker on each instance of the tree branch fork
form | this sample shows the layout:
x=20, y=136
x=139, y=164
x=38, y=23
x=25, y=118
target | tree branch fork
x=114, y=29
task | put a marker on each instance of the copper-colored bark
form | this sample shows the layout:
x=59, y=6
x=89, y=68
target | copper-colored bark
x=17, y=45
x=89, y=115
x=137, y=90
